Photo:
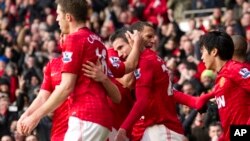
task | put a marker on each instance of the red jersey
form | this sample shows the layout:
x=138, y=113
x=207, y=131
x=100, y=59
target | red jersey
x=89, y=100
x=152, y=104
x=115, y=65
x=232, y=95
x=122, y=109
x=52, y=78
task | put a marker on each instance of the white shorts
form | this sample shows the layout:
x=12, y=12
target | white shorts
x=113, y=134
x=80, y=130
x=161, y=133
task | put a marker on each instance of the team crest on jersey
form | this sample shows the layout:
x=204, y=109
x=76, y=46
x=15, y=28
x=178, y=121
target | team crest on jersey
x=222, y=81
x=137, y=73
x=115, y=61
x=67, y=56
x=245, y=73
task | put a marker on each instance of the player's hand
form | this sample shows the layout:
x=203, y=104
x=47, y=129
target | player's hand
x=28, y=124
x=19, y=126
x=94, y=71
x=121, y=135
x=133, y=38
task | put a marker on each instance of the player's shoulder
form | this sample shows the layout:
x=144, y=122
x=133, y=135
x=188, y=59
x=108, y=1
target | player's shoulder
x=83, y=34
x=150, y=57
x=236, y=70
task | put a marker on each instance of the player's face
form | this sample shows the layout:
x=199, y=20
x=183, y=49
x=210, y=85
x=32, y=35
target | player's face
x=207, y=58
x=122, y=48
x=149, y=36
x=61, y=18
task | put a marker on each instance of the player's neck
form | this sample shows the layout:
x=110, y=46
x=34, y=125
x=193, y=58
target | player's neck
x=239, y=59
x=219, y=64
x=75, y=27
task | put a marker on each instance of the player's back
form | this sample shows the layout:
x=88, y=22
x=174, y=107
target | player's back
x=89, y=98
x=161, y=108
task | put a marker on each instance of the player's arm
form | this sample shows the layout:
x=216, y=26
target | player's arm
x=135, y=41
x=192, y=101
x=144, y=76
x=119, y=68
x=142, y=97
x=94, y=71
x=127, y=80
x=43, y=95
x=57, y=97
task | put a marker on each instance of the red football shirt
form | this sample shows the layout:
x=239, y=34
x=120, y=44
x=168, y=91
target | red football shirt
x=89, y=100
x=153, y=105
x=52, y=77
x=115, y=65
x=122, y=109
x=232, y=95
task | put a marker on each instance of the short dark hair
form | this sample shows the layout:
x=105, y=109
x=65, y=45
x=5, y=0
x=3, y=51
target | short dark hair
x=240, y=45
x=78, y=8
x=120, y=33
x=217, y=123
x=140, y=25
x=219, y=40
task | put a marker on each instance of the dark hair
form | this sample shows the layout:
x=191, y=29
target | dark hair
x=240, y=45
x=78, y=8
x=217, y=123
x=219, y=40
x=140, y=26
x=120, y=33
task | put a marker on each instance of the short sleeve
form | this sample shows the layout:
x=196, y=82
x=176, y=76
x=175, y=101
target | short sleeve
x=116, y=66
x=72, y=54
x=144, y=74
x=46, y=84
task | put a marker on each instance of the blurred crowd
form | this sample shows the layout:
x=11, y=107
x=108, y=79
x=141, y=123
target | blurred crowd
x=29, y=37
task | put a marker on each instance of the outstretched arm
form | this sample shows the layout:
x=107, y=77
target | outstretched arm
x=192, y=101
x=95, y=72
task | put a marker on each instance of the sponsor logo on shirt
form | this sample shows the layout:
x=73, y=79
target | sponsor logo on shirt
x=115, y=61
x=245, y=73
x=67, y=56
x=220, y=100
x=137, y=73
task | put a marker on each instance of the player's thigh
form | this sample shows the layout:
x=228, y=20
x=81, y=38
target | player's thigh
x=74, y=129
x=94, y=132
x=161, y=133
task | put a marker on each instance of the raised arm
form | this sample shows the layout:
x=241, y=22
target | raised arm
x=135, y=41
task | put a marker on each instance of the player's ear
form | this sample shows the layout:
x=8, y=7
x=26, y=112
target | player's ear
x=69, y=17
x=214, y=51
